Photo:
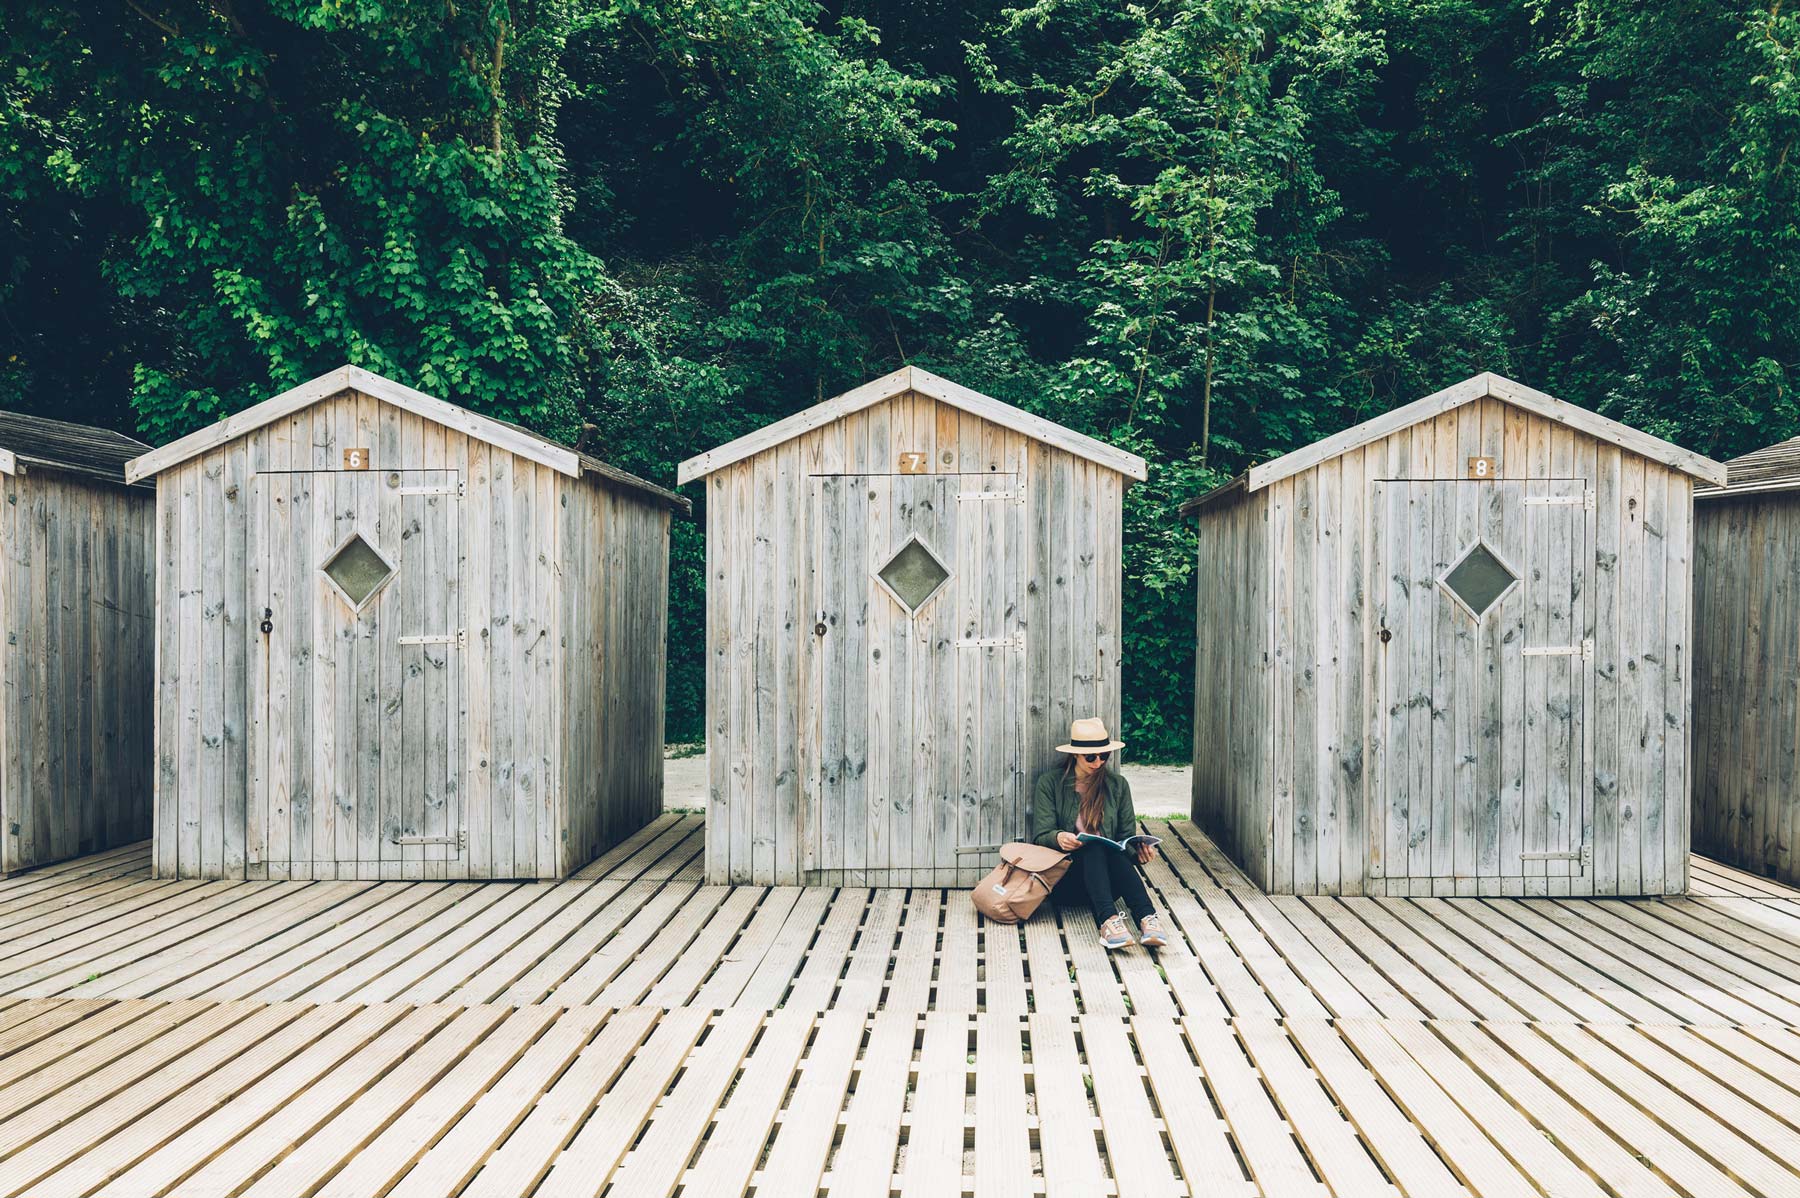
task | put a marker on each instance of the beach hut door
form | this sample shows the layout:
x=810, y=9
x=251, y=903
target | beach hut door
x=919, y=667
x=356, y=692
x=1480, y=631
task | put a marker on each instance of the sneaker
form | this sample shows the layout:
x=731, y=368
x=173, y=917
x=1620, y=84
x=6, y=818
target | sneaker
x=1113, y=933
x=1152, y=930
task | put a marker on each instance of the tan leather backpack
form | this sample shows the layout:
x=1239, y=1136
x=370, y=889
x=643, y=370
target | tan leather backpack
x=1020, y=882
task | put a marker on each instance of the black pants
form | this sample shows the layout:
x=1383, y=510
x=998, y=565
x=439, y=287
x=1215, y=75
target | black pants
x=1097, y=876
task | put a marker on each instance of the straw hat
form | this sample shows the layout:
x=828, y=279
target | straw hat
x=1090, y=736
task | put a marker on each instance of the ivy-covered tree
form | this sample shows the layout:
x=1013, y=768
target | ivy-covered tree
x=302, y=182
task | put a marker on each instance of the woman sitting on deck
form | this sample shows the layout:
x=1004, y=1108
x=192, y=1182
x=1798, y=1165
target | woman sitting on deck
x=1083, y=796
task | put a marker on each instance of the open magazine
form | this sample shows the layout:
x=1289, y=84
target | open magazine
x=1131, y=844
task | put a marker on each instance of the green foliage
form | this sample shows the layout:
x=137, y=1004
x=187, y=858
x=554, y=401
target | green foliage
x=307, y=182
x=1208, y=231
x=1161, y=198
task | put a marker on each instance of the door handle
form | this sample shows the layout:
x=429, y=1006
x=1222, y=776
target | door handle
x=1386, y=635
x=268, y=621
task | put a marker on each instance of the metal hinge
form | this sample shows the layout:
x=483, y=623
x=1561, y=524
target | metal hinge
x=1584, y=500
x=1585, y=856
x=992, y=642
x=991, y=496
x=458, y=638
x=1585, y=650
x=460, y=840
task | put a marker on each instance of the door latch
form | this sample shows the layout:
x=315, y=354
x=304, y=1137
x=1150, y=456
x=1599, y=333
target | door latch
x=268, y=623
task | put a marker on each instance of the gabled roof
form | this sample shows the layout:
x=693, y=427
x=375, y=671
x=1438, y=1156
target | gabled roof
x=97, y=453
x=1772, y=468
x=911, y=378
x=498, y=433
x=1482, y=386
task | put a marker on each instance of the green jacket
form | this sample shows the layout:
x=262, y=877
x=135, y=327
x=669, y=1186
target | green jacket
x=1054, y=802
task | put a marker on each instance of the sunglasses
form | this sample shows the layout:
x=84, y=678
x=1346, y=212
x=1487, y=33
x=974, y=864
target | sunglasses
x=1095, y=756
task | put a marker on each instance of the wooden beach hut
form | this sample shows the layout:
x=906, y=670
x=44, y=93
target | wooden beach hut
x=76, y=658
x=401, y=640
x=1747, y=664
x=1446, y=651
x=911, y=590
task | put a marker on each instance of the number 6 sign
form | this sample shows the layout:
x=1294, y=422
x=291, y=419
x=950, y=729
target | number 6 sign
x=356, y=459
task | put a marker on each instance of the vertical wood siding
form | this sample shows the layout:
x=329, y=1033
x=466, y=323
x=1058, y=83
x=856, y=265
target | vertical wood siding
x=1747, y=682
x=76, y=666
x=615, y=586
x=1233, y=699
x=906, y=745
x=1434, y=790
x=303, y=752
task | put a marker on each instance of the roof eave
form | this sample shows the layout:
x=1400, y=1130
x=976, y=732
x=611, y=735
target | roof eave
x=1036, y=427
x=32, y=443
x=818, y=416
x=1482, y=386
x=624, y=478
x=354, y=378
x=1766, y=487
x=1645, y=445
x=1237, y=482
x=514, y=440
x=236, y=425
x=18, y=463
x=898, y=382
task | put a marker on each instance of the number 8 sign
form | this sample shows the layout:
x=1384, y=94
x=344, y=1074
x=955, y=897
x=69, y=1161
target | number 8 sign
x=1483, y=468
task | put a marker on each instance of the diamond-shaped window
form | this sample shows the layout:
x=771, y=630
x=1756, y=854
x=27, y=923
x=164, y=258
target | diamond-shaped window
x=913, y=575
x=358, y=570
x=1479, y=579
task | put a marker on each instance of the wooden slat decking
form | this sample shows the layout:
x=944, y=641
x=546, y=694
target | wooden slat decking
x=634, y=1032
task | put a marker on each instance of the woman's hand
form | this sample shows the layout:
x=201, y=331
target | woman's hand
x=1146, y=853
x=1068, y=842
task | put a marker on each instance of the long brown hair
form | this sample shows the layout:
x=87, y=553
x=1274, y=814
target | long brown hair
x=1093, y=799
